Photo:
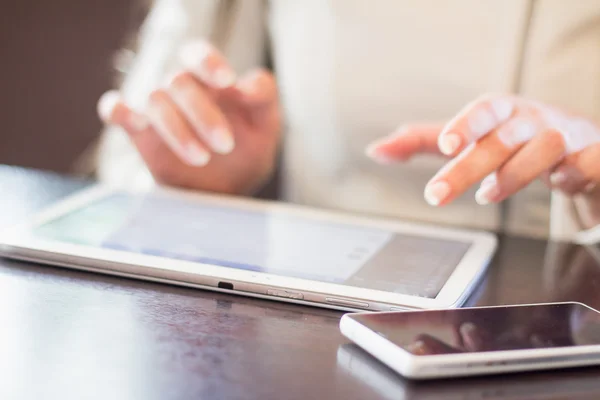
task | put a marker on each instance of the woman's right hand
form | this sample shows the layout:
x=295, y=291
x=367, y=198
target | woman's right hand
x=205, y=129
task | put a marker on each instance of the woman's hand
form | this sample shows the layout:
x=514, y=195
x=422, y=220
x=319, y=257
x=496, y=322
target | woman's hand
x=205, y=129
x=505, y=142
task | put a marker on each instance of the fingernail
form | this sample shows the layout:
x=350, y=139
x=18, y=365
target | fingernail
x=537, y=341
x=247, y=85
x=382, y=159
x=191, y=152
x=372, y=151
x=223, y=78
x=558, y=178
x=193, y=53
x=107, y=103
x=138, y=122
x=487, y=193
x=222, y=140
x=193, y=56
x=417, y=348
x=168, y=80
x=481, y=122
x=489, y=180
x=196, y=155
x=449, y=143
x=590, y=187
x=467, y=328
x=503, y=108
x=517, y=132
x=436, y=192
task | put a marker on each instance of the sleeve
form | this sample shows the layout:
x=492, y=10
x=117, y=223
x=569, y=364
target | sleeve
x=237, y=27
x=565, y=224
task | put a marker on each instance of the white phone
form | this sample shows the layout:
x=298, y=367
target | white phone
x=255, y=248
x=370, y=373
x=479, y=340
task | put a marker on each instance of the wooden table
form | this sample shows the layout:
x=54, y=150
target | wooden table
x=76, y=335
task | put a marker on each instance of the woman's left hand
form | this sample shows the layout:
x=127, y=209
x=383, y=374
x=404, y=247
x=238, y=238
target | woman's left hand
x=504, y=142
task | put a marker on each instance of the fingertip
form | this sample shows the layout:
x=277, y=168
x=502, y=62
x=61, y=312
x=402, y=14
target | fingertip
x=223, y=78
x=112, y=110
x=467, y=329
x=389, y=149
x=258, y=87
x=196, y=155
x=223, y=141
x=487, y=193
x=193, y=52
x=491, y=179
x=590, y=187
x=373, y=151
x=107, y=104
x=403, y=143
x=567, y=180
x=558, y=178
x=503, y=107
x=449, y=143
x=207, y=64
x=437, y=193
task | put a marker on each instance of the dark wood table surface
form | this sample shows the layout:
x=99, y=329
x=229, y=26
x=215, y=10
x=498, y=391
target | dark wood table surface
x=75, y=335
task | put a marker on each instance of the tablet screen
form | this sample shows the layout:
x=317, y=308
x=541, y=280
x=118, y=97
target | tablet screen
x=271, y=242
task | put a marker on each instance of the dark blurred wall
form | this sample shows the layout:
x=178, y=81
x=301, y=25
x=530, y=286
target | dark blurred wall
x=55, y=60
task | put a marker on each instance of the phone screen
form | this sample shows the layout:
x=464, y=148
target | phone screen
x=473, y=330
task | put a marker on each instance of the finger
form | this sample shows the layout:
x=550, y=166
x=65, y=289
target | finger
x=474, y=339
x=159, y=158
x=257, y=93
x=172, y=127
x=428, y=345
x=112, y=110
x=540, y=342
x=490, y=179
x=475, y=121
x=591, y=188
x=480, y=159
x=406, y=142
x=532, y=160
x=476, y=162
x=588, y=162
x=207, y=64
x=201, y=112
x=566, y=178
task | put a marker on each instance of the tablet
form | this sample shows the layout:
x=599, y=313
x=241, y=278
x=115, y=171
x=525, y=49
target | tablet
x=256, y=248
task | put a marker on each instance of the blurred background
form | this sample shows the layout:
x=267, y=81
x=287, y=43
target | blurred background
x=56, y=61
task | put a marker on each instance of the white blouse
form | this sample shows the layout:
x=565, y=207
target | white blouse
x=351, y=71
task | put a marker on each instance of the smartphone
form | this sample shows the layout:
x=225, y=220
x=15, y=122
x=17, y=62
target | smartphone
x=479, y=340
x=386, y=384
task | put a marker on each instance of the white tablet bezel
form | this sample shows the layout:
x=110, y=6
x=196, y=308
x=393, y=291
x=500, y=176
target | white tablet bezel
x=19, y=243
x=467, y=364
